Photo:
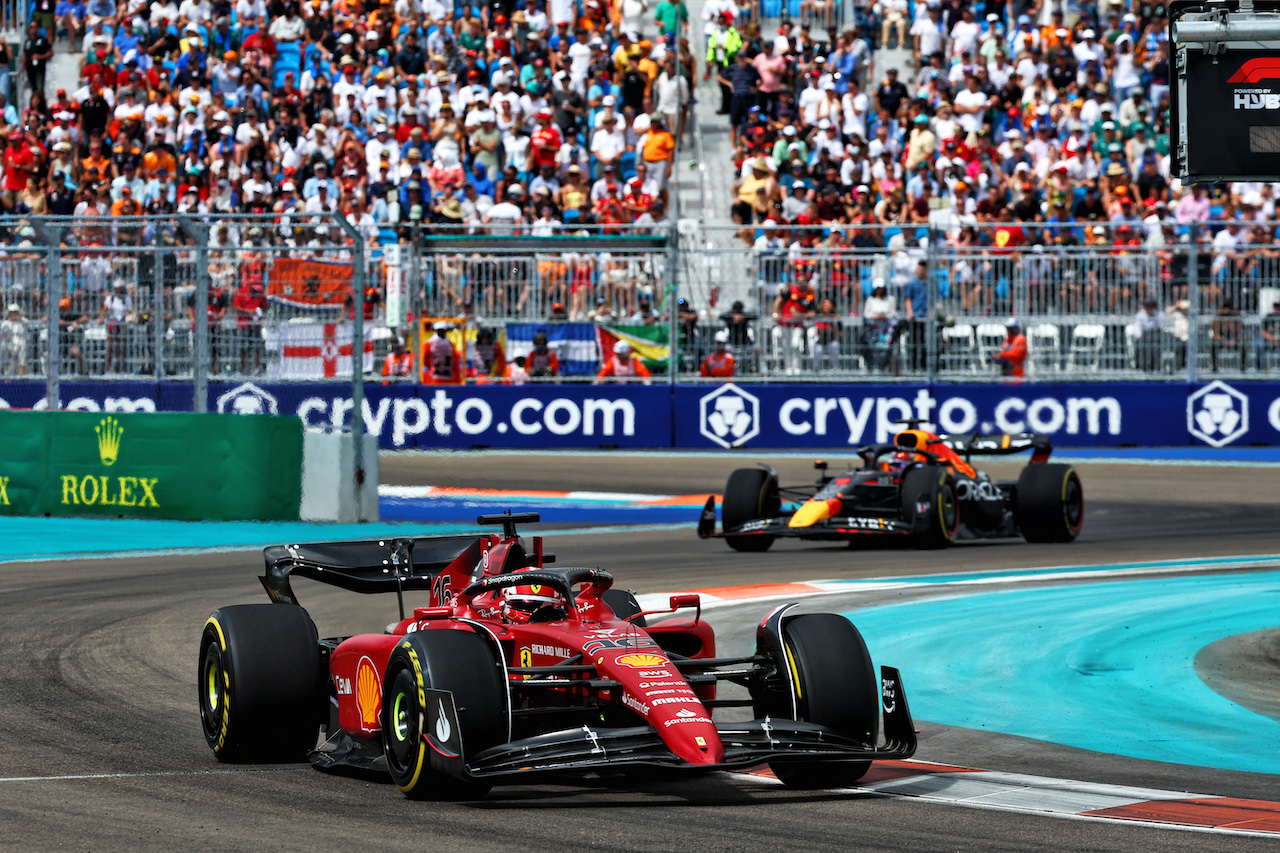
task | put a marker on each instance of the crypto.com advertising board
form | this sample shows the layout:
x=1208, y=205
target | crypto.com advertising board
x=795, y=416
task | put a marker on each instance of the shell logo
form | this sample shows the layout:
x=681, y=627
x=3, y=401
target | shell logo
x=368, y=694
x=641, y=661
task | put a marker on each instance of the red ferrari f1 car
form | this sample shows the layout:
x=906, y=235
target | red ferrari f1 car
x=922, y=487
x=515, y=670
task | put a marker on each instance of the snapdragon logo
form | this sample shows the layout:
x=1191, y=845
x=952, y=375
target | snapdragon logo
x=1217, y=414
x=729, y=416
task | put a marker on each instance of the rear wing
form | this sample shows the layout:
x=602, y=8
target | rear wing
x=371, y=566
x=1003, y=444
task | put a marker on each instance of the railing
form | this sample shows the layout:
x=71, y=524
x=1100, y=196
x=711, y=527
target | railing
x=190, y=299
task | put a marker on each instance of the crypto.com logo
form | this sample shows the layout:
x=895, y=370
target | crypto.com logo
x=1217, y=414
x=248, y=399
x=729, y=416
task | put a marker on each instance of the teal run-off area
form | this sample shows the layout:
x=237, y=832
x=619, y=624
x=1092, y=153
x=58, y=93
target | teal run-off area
x=1107, y=667
x=44, y=538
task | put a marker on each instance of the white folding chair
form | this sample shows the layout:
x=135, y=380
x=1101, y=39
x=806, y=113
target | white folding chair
x=1087, y=340
x=958, y=347
x=1044, y=340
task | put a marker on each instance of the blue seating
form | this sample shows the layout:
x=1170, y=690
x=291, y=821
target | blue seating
x=288, y=58
x=943, y=278
x=627, y=167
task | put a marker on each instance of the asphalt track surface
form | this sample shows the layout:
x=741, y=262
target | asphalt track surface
x=100, y=744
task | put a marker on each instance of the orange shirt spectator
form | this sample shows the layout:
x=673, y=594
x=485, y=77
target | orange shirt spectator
x=719, y=362
x=1013, y=354
x=659, y=144
x=623, y=365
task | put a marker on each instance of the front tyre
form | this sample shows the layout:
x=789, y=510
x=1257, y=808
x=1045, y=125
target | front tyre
x=836, y=686
x=1049, y=503
x=463, y=663
x=260, y=684
x=931, y=502
x=749, y=495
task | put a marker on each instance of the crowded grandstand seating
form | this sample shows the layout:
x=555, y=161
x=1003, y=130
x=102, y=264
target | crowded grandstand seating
x=1017, y=164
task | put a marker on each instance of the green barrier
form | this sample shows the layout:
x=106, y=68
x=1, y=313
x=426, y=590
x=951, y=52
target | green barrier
x=195, y=467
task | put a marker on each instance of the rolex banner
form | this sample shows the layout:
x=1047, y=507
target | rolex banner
x=148, y=465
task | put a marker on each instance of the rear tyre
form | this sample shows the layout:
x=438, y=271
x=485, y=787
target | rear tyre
x=750, y=494
x=624, y=604
x=836, y=687
x=463, y=663
x=1049, y=503
x=933, y=487
x=260, y=685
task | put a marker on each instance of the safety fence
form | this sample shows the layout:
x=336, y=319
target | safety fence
x=187, y=299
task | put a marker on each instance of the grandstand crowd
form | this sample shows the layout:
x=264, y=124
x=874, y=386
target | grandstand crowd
x=1018, y=128
x=395, y=112
x=1036, y=113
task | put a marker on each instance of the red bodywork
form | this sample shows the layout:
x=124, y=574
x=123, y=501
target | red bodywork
x=651, y=686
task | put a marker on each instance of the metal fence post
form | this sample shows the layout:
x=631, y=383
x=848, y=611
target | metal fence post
x=1193, y=297
x=158, y=307
x=357, y=357
x=931, y=321
x=673, y=304
x=52, y=237
x=200, y=363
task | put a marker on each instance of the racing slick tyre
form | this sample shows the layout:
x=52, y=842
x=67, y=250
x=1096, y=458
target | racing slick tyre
x=1049, y=503
x=624, y=605
x=464, y=663
x=837, y=687
x=260, y=685
x=750, y=494
x=934, y=485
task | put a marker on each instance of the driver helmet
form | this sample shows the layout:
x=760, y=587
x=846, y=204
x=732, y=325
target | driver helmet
x=520, y=604
x=897, y=462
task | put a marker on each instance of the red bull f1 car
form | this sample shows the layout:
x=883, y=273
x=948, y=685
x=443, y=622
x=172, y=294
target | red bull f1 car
x=921, y=487
x=516, y=670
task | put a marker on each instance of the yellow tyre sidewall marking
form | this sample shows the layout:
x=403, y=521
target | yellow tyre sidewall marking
x=226, y=680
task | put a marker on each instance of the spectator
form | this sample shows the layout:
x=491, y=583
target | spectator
x=623, y=365
x=542, y=362
x=13, y=342
x=1013, y=354
x=441, y=363
x=1148, y=331
x=718, y=363
x=1269, y=339
x=399, y=361
x=37, y=50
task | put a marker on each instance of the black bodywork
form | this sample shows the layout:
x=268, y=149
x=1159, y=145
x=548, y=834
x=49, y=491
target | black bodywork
x=871, y=500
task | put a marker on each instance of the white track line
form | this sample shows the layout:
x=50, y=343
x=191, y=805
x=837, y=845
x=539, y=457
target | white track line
x=1031, y=795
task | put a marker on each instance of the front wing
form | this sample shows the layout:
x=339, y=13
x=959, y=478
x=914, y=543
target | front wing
x=836, y=527
x=746, y=745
